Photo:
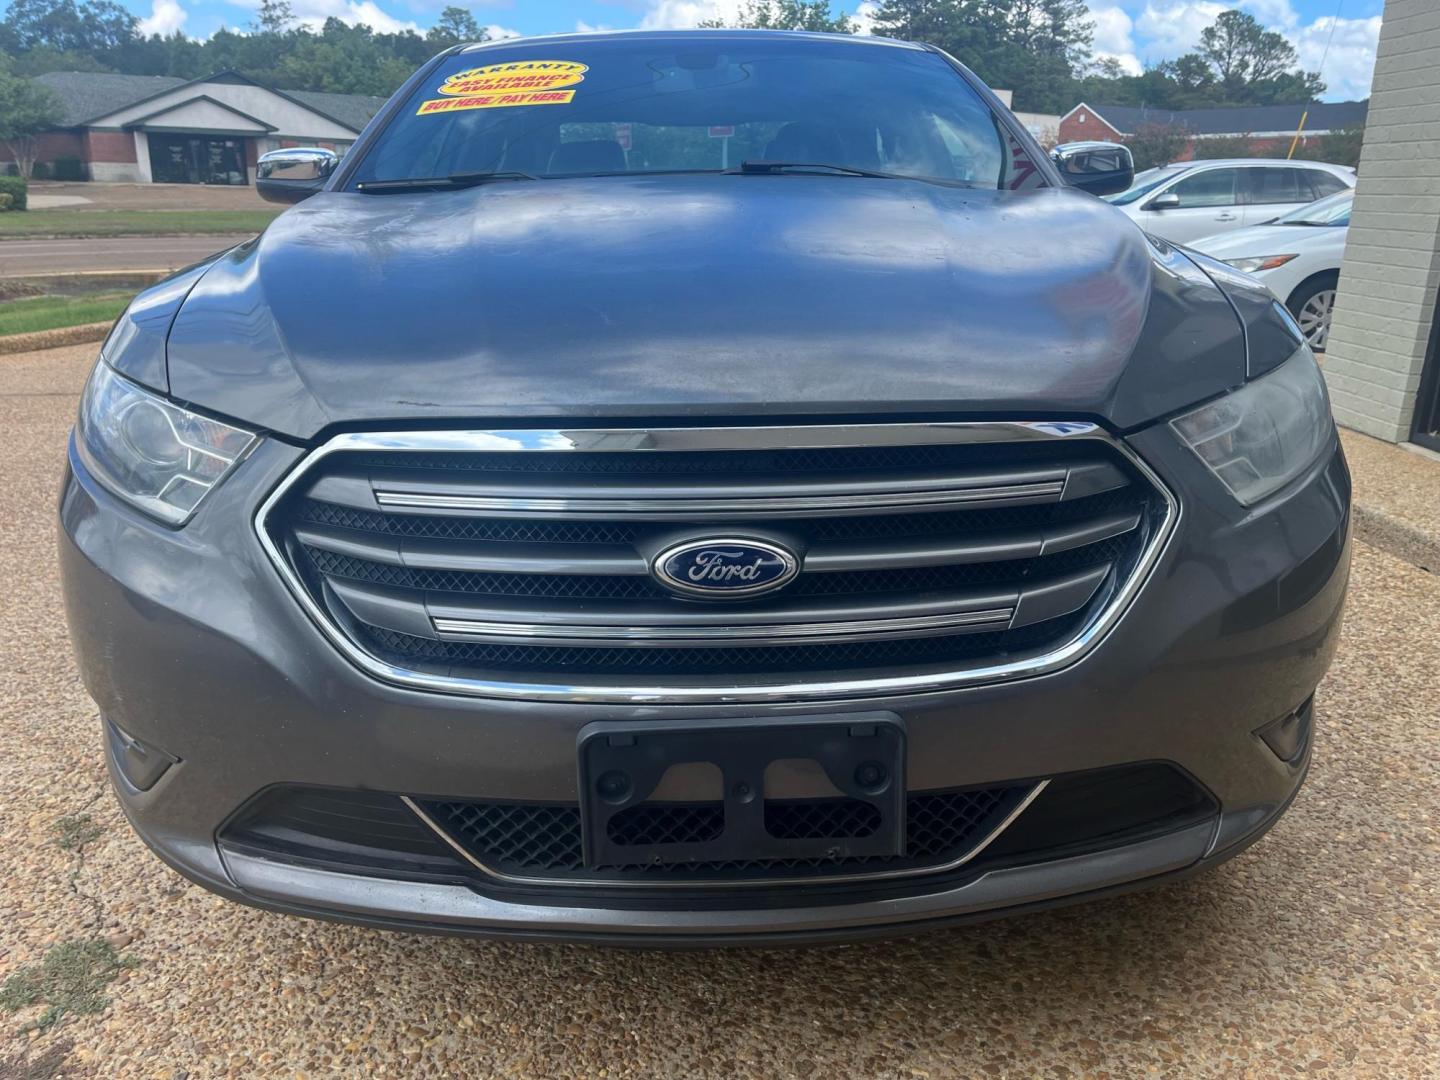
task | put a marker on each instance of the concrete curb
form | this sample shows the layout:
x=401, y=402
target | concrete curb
x=53, y=339
x=136, y=278
x=1397, y=537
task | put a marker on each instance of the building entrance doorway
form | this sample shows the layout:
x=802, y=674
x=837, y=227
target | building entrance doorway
x=197, y=159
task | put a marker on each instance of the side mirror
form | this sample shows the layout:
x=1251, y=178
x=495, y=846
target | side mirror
x=1100, y=168
x=288, y=176
x=1167, y=201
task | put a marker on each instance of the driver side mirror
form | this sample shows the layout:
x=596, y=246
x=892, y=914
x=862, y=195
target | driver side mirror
x=1167, y=201
x=1100, y=168
x=293, y=174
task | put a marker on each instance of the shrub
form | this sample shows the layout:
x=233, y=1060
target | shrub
x=15, y=188
x=40, y=171
x=1342, y=146
x=1157, y=144
x=67, y=167
x=5, y=201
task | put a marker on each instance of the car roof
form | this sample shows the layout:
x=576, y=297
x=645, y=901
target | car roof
x=715, y=34
x=1296, y=163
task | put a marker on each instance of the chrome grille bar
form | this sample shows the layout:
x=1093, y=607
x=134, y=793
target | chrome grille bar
x=707, y=635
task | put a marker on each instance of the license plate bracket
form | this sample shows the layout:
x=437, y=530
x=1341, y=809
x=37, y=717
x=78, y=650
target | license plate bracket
x=622, y=762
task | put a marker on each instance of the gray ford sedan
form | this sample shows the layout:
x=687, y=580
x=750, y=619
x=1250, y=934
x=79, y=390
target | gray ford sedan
x=701, y=487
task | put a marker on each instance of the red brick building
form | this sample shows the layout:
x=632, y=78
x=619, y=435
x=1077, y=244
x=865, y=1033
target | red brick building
x=203, y=131
x=1266, y=126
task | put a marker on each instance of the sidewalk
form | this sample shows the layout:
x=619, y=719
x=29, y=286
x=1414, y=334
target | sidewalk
x=1397, y=498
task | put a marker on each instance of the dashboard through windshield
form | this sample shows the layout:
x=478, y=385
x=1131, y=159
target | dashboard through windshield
x=575, y=108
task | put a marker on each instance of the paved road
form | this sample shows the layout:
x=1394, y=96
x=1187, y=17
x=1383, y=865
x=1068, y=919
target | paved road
x=19, y=258
x=1313, y=953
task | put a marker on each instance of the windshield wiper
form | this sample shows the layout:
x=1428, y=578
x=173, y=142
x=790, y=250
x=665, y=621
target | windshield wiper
x=435, y=183
x=764, y=168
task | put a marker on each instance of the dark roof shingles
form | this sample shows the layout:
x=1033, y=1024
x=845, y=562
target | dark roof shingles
x=85, y=96
x=1324, y=116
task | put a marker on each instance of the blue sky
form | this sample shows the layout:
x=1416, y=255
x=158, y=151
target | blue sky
x=1135, y=32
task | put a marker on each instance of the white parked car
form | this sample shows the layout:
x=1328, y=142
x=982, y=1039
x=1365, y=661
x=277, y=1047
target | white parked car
x=1191, y=199
x=1297, y=256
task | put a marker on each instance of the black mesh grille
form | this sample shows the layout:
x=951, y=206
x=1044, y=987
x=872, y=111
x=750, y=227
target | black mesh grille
x=711, y=462
x=827, y=819
x=873, y=527
x=361, y=546
x=661, y=823
x=456, y=528
x=523, y=839
x=405, y=648
x=630, y=587
x=583, y=587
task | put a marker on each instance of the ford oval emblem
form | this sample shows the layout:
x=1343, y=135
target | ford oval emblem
x=725, y=568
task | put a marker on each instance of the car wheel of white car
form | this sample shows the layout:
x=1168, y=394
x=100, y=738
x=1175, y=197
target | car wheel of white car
x=1312, y=305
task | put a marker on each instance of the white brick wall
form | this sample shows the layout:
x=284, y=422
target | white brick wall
x=1389, y=280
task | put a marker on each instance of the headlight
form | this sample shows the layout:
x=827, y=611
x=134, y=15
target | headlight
x=1263, y=435
x=1257, y=263
x=161, y=458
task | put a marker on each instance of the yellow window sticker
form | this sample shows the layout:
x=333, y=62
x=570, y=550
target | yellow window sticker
x=499, y=86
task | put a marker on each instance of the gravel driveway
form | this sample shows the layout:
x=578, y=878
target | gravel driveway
x=1315, y=952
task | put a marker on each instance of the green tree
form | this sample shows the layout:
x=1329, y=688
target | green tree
x=814, y=15
x=1342, y=146
x=1035, y=48
x=1239, y=62
x=65, y=26
x=276, y=16
x=26, y=109
x=456, y=26
x=1157, y=144
x=1241, y=50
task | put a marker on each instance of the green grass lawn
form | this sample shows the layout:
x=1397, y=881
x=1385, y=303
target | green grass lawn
x=132, y=222
x=53, y=312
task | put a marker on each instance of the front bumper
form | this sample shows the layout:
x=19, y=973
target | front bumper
x=189, y=642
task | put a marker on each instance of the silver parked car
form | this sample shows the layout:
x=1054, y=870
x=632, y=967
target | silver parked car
x=1192, y=199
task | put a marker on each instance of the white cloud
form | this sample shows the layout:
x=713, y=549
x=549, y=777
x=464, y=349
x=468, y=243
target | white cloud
x=1351, y=62
x=497, y=32
x=865, y=16
x=1172, y=28
x=1114, y=36
x=166, y=16
x=680, y=14
x=1276, y=14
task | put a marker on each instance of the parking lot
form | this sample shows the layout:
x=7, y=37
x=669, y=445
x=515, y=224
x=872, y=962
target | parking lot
x=1313, y=953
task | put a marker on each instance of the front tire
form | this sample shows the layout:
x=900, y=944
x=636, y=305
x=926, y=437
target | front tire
x=1313, y=303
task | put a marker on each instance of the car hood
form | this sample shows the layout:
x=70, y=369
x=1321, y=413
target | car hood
x=720, y=295
x=1271, y=240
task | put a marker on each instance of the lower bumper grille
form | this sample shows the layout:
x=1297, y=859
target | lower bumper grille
x=375, y=834
x=541, y=841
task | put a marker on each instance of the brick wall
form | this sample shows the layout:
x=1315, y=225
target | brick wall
x=1090, y=129
x=53, y=144
x=111, y=146
x=1389, y=279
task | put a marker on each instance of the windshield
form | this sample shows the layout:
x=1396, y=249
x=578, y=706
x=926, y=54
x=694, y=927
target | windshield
x=708, y=103
x=1331, y=210
x=1145, y=183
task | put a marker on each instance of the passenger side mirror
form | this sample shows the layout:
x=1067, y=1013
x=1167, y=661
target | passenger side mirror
x=288, y=176
x=1168, y=201
x=1100, y=168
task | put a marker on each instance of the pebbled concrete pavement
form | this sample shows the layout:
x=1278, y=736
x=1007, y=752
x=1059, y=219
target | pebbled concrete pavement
x=1314, y=953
